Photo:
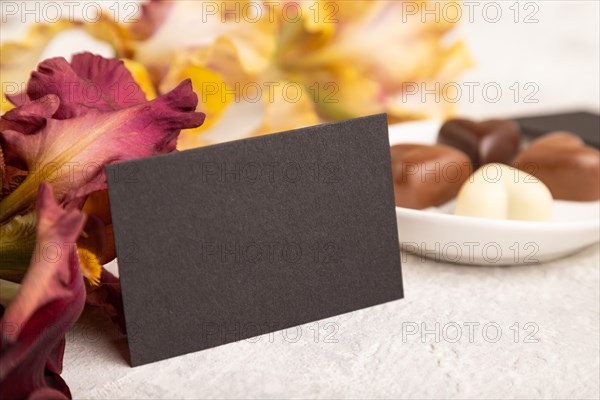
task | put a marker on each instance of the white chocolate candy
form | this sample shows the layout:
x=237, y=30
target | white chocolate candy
x=501, y=192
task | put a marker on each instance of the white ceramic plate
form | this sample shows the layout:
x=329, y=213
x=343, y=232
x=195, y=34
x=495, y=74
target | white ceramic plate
x=437, y=234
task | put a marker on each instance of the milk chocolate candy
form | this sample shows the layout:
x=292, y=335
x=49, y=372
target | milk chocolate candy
x=427, y=176
x=484, y=142
x=561, y=160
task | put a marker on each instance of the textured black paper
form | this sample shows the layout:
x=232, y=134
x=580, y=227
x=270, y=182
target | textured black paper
x=227, y=242
x=584, y=124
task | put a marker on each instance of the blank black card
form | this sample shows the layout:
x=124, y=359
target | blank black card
x=227, y=242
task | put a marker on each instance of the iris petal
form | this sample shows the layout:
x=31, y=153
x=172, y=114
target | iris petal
x=48, y=303
x=70, y=149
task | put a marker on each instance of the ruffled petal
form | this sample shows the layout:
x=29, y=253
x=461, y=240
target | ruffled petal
x=21, y=57
x=173, y=26
x=371, y=50
x=31, y=116
x=71, y=152
x=50, y=300
x=88, y=82
x=85, y=144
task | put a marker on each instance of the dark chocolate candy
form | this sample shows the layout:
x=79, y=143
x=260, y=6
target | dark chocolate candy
x=427, y=176
x=569, y=168
x=584, y=124
x=484, y=142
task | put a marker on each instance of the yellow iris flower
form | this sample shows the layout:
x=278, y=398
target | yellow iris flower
x=278, y=65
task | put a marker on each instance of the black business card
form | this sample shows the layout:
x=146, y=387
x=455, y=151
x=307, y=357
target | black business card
x=227, y=242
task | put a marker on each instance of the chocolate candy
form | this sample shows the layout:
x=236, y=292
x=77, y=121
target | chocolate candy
x=427, y=176
x=484, y=142
x=582, y=123
x=561, y=160
x=498, y=191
